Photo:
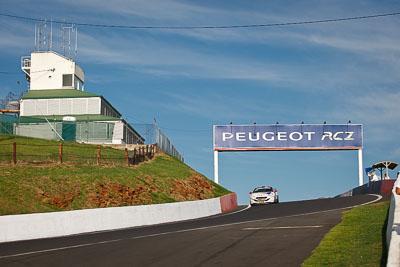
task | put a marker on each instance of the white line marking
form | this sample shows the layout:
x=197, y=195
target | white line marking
x=283, y=227
x=136, y=227
x=230, y=213
x=183, y=231
x=61, y=248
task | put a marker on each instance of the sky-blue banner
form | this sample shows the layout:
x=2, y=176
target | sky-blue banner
x=288, y=137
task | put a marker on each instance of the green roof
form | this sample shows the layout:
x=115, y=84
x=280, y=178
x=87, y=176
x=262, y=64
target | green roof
x=57, y=118
x=57, y=93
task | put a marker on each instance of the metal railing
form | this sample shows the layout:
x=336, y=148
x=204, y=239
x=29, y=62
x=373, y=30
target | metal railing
x=25, y=62
x=154, y=135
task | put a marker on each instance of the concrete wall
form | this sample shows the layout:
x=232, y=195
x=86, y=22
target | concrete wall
x=383, y=187
x=393, y=232
x=52, y=224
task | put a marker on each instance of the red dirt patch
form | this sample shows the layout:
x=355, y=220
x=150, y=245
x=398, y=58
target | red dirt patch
x=195, y=188
x=111, y=194
x=114, y=194
x=61, y=199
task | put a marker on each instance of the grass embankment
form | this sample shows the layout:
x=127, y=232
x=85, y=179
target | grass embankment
x=359, y=240
x=29, y=188
x=41, y=150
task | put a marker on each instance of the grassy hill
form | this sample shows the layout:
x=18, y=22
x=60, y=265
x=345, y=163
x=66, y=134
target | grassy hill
x=30, y=188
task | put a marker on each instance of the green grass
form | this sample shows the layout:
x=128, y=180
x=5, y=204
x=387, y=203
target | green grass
x=41, y=150
x=30, y=188
x=359, y=240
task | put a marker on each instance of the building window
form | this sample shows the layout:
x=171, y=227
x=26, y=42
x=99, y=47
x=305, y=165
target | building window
x=78, y=83
x=67, y=79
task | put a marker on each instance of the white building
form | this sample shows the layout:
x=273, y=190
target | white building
x=49, y=70
x=57, y=107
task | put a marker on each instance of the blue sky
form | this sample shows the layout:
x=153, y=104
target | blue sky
x=190, y=80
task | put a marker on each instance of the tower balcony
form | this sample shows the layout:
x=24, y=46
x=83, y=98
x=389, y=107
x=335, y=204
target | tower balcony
x=26, y=64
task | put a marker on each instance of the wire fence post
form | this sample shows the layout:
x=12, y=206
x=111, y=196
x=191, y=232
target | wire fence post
x=60, y=153
x=139, y=154
x=127, y=157
x=14, y=159
x=98, y=155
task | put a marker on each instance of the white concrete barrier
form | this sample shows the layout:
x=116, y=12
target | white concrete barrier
x=52, y=224
x=393, y=231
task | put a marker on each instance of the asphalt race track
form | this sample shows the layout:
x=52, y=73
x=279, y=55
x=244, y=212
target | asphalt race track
x=281, y=234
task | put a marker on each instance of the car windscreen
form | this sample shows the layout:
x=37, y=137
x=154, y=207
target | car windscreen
x=258, y=190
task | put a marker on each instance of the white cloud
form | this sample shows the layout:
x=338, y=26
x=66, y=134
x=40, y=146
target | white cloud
x=159, y=58
x=151, y=52
x=16, y=36
x=379, y=108
x=379, y=112
x=171, y=12
x=372, y=43
x=395, y=153
x=214, y=106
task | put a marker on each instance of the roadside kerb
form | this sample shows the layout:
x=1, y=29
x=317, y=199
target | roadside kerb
x=228, y=202
x=53, y=224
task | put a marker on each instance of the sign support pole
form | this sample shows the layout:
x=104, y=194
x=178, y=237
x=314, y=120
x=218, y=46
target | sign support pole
x=216, y=167
x=360, y=168
x=288, y=137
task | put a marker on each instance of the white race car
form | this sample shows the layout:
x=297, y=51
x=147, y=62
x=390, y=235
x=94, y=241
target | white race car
x=264, y=195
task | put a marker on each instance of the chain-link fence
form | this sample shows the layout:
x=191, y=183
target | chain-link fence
x=81, y=132
x=7, y=124
x=94, y=132
x=154, y=135
x=166, y=145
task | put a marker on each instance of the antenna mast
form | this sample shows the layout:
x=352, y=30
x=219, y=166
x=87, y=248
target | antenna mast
x=66, y=43
x=42, y=36
x=69, y=36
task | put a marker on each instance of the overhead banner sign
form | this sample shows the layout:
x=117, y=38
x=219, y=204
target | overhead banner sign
x=288, y=137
